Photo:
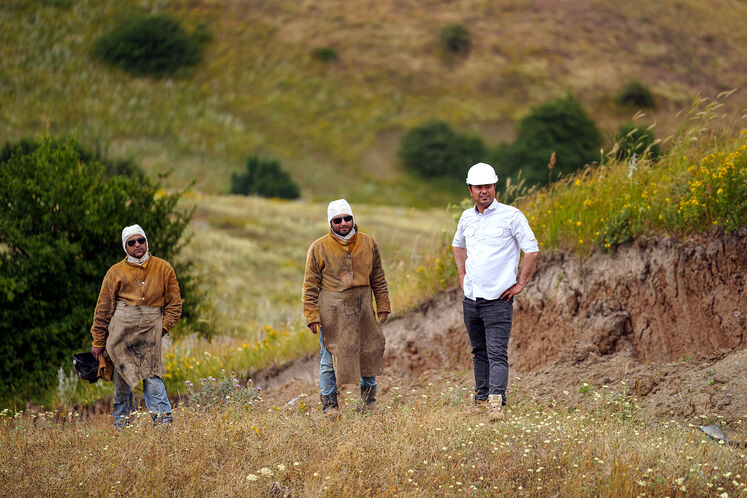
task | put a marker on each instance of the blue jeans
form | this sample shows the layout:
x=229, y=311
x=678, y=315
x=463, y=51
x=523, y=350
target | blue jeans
x=154, y=393
x=327, y=380
x=488, y=323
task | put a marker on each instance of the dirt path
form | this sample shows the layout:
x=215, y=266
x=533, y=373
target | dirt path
x=665, y=317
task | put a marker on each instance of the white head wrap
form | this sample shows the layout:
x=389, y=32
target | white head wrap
x=336, y=208
x=128, y=232
x=340, y=206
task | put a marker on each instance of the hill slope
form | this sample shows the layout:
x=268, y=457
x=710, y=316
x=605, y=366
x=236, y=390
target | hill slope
x=259, y=90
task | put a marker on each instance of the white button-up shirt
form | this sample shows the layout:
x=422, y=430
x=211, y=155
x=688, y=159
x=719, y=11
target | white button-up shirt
x=493, y=241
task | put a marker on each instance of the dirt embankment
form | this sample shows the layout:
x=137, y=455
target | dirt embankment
x=665, y=316
x=657, y=300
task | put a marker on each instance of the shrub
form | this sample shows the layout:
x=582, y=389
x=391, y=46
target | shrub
x=561, y=126
x=632, y=139
x=454, y=39
x=60, y=228
x=264, y=178
x=112, y=167
x=223, y=392
x=150, y=46
x=636, y=94
x=434, y=149
x=325, y=54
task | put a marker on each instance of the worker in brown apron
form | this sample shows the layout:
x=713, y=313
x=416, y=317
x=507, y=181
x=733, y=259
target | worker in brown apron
x=343, y=277
x=138, y=304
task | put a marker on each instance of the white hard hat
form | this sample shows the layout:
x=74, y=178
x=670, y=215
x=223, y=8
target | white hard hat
x=481, y=174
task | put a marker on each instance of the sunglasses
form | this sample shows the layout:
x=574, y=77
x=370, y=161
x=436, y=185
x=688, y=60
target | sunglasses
x=139, y=240
x=337, y=221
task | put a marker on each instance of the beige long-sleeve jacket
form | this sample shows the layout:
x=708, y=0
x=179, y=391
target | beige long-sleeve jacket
x=152, y=284
x=336, y=265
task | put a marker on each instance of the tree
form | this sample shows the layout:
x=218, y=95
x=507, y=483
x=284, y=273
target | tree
x=60, y=226
x=265, y=178
x=434, y=149
x=561, y=126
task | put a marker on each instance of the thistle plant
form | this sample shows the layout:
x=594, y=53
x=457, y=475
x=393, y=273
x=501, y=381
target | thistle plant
x=223, y=392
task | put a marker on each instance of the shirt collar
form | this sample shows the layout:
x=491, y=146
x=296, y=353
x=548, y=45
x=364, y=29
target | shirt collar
x=493, y=206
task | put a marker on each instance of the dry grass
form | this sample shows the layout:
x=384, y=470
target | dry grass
x=416, y=443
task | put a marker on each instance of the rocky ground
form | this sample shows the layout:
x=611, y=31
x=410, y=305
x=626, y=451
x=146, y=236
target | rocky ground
x=664, y=316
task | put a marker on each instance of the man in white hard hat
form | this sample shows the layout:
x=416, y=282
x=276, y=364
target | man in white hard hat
x=139, y=302
x=487, y=247
x=343, y=276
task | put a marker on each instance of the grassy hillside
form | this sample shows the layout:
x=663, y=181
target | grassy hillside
x=259, y=90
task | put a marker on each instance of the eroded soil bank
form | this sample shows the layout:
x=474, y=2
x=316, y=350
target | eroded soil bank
x=663, y=315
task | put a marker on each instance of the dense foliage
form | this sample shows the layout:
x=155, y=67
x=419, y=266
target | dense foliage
x=561, y=126
x=636, y=94
x=634, y=139
x=60, y=230
x=434, y=149
x=112, y=167
x=150, y=46
x=265, y=178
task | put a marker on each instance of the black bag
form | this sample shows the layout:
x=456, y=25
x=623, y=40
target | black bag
x=87, y=366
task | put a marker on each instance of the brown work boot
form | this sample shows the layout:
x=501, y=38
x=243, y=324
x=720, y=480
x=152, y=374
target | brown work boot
x=495, y=407
x=476, y=406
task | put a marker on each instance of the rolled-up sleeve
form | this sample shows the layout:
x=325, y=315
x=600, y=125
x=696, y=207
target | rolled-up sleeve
x=458, y=240
x=523, y=233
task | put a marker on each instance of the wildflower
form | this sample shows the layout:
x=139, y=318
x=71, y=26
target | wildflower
x=265, y=471
x=251, y=477
x=281, y=467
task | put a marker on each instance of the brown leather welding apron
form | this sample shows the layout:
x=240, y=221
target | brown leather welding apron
x=134, y=342
x=351, y=333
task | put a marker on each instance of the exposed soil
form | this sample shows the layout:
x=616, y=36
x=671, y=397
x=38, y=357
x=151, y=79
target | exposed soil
x=665, y=316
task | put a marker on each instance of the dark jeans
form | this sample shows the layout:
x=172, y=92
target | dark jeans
x=488, y=324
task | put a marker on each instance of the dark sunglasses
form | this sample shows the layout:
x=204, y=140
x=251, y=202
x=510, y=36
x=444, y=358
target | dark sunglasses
x=337, y=221
x=139, y=240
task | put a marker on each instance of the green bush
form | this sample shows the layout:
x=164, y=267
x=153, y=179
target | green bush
x=112, y=167
x=561, y=126
x=60, y=230
x=150, y=46
x=636, y=94
x=632, y=139
x=455, y=39
x=264, y=178
x=434, y=149
x=325, y=54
